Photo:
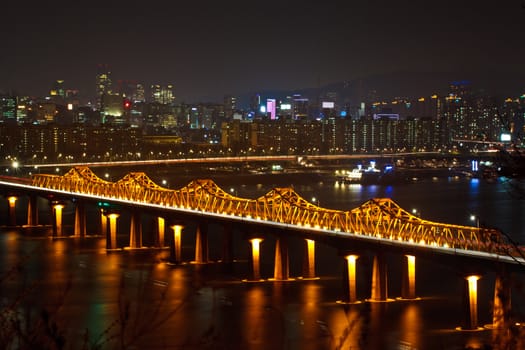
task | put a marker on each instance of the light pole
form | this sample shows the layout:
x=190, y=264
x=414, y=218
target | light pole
x=475, y=218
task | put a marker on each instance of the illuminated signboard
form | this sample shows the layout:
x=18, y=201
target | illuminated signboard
x=270, y=108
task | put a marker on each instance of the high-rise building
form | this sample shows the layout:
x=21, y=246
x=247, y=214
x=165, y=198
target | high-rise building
x=458, y=112
x=103, y=82
x=195, y=118
x=8, y=108
x=23, y=109
x=131, y=90
x=58, y=92
x=425, y=107
x=299, y=107
x=126, y=88
x=328, y=105
x=230, y=105
x=271, y=108
x=255, y=104
x=461, y=88
x=162, y=94
x=46, y=112
x=139, y=94
x=113, y=109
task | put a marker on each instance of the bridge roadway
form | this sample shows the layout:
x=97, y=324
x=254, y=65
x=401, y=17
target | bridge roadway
x=379, y=225
x=225, y=159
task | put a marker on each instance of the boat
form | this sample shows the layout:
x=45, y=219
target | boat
x=360, y=175
x=353, y=176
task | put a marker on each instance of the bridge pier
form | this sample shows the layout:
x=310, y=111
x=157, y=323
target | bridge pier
x=176, y=247
x=350, y=277
x=309, y=259
x=379, y=279
x=135, y=230
x=12, y=210
x=471, y=302
x=57, y=218
x=32, y=211
x=408, y=289
x=104, y=227
x=113, y=229
x=201, y=243
x=256, y=267
x=80, y=219
x=281, y=271
x=161, y=231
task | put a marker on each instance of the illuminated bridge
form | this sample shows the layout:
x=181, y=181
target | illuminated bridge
x=379, y=218
x=378, y=222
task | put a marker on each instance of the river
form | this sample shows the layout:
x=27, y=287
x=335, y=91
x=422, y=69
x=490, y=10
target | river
x=135, y=300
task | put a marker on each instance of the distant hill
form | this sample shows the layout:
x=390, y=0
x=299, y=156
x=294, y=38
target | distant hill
x=410, y=85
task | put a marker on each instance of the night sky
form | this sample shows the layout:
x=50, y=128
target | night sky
x=207, y=49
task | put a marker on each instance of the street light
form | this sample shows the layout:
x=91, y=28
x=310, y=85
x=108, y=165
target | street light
x=474, y=218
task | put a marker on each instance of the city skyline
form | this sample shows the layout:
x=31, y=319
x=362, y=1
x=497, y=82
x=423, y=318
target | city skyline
x=213, y=49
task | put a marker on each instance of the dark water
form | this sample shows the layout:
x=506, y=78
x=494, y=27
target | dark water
x=86, y=290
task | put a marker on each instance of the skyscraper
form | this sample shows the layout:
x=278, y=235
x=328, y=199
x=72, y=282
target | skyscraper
x=162, y=94
x=230, y=105
x=8, y=108
x=299, y=107
x=139, y=95
x=255, y=104
x=271, y=108
x=103, y=86
x=58, y=91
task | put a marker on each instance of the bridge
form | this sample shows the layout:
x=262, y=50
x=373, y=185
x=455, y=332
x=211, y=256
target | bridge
x=379, y=223
x=225, y=159
x=379, y=219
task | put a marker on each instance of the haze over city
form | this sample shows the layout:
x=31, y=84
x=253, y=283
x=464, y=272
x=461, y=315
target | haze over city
x=209, y=49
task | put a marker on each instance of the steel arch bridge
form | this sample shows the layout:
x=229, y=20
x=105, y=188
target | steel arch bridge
x=378, y=217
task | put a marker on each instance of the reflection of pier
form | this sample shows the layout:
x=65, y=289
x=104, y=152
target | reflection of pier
x=378, y=225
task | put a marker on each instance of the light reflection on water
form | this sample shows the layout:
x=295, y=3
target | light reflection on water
x=255, y=332
x=411, y=326
x=199, y=306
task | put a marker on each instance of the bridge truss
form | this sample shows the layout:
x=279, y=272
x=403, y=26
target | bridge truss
x=378, y=217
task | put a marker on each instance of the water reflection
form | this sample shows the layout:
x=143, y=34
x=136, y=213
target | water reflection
x=376, y=323
x=411, y=327
x=347, y=325
x=11, y=241
x=309, y=313
x=254, y=333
